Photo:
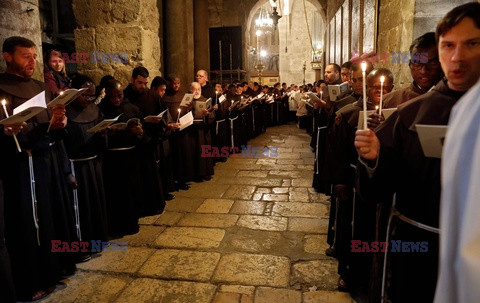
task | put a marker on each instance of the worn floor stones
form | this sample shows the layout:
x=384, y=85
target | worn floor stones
x=255, y=233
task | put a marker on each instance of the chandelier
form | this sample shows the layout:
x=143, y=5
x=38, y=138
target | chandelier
x=264, y=22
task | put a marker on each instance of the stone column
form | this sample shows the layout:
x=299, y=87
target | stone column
x=22, y=18
x=117, y=35
x=179, y=41
x=202, y=41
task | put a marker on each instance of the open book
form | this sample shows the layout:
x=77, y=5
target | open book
x=222, y=98
x=187, y=100
x=336, y=90
x=103, y=125
x=132, y=122
x=27, y=110
x=66, y=97
x=431, y=138
x=160, y=115
x=186, y=120
x=387, y=112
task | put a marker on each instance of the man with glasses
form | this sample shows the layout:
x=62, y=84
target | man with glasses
x=425, y=75
x=207, y=89
x=353, y=268
x=393, y=160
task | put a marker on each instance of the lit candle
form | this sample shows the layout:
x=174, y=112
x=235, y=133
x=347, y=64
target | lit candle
x=321, y=94
x=364, y=68
x=178, y=117
x=4, y=103
x=382, y=79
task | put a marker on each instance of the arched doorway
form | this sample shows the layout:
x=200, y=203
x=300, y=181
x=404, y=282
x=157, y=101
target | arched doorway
x=288, y=49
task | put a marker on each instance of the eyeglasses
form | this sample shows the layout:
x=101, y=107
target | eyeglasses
x=200, y=76
x=89, y=97
x=431, y=64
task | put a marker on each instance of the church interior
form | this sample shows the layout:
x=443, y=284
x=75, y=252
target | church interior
x=261, y=228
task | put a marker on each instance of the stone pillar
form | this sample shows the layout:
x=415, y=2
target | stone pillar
x=117, y=27
x=179, y=46
x=202, y=41
x=22, y=18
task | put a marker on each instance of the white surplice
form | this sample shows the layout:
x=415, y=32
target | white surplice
x=459, y=279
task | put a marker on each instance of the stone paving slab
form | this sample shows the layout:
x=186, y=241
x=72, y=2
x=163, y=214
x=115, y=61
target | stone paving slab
x=215, y=206
x=280, y=190
x=144, y=237
x=239, y=192
x=183, y=204
x=181, y=265
x=269, y=295
x=297, y=209
x=205, y=190
x=120, y=262
x=319, y=273
x=290, y=161
x=307, y=182
x=208, y=220
x=190, y=237
x=252, y=173
x=263, y=222
x=152, y=290
x=87, y=287
x=308, y=225
x=169, y=218
x=240, y=289
x=251, y=180
x=275, y=197
x=148, y=220
x=261, y=270
x=248, y=207
x=316, y=244
x=299, y=196
x=323, y=296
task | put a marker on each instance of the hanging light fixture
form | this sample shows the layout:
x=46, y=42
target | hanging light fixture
x=274, y=15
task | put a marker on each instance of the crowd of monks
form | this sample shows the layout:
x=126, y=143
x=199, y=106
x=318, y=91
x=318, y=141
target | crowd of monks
x=73, y=183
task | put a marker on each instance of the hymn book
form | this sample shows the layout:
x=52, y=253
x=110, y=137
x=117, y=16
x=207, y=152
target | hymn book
x=432, y=138
x=66, y=97
x=27, y=110
x=103, y=125
x=186, y=120
x=336, y=90
x=187, y=100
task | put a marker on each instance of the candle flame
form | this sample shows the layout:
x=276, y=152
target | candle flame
x=364, y=66
x=4, y=102
x=179, y=110
x=382, y=79
x=376, y=107
x=61, y=93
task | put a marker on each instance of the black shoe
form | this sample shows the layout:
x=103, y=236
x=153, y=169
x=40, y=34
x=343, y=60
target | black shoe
x=169, y=197
x=183, y=186
x=84, y=257
x=331, y=252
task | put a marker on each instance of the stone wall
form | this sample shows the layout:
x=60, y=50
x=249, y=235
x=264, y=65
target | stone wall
x=116, y=27
x=21, y=18
x=297, y=41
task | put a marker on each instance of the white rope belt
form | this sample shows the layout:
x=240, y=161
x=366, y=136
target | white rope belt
x=34, y=196
x=122, y=148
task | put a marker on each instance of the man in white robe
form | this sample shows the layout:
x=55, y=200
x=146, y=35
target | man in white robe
x=460, y=204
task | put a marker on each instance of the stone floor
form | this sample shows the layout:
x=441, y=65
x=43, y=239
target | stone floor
x=255, y=233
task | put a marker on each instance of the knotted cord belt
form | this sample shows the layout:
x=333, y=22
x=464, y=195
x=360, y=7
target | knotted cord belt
x=33, y=193
x=75, y=195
